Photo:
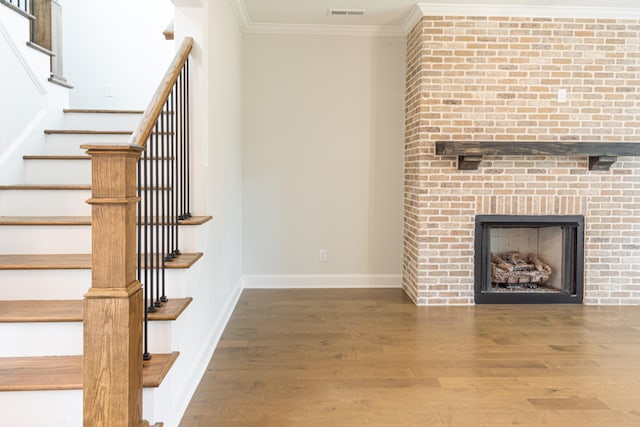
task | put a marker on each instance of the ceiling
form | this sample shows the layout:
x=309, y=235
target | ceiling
x=394, y=15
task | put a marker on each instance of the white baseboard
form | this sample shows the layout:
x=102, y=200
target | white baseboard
x=294, y=281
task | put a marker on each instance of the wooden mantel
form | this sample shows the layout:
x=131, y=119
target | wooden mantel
x=601, y=154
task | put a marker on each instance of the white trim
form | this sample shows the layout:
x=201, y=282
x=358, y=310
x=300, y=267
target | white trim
x=536, y=11
x=201, y=362
x=413, y=18
x=428, y=9
x=242, y=16
x=295, y=281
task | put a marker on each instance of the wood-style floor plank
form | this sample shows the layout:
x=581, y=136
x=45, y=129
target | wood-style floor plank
x=75, y=261
x=65, y=372
x=72, y=310
x=370, y=357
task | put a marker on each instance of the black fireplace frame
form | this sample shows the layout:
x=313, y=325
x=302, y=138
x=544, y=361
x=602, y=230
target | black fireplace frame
x=573, y=259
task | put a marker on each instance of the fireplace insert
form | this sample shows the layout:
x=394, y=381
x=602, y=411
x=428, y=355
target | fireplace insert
x=529, y=259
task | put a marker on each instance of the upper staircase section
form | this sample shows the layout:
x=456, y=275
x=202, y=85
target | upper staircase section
x=26, y=76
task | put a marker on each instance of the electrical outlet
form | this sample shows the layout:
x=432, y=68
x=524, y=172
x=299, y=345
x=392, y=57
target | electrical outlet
x=562, y=95
x=323, y=255
x=109, y=91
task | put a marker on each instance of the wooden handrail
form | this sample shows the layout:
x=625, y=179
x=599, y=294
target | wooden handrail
x=151, y=114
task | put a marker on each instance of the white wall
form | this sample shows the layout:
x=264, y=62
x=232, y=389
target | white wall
x=323, y=122
x=216, y=113
x=100, y=36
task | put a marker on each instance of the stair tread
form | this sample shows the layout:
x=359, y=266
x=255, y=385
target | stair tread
x=69, y=157
x=74, y=261
x=56, y=187
x=56, y=157
x=100, y=111
x=86, y=132
x=22, y=311
x=80, y=220
x=65, y=372
x=45, y=187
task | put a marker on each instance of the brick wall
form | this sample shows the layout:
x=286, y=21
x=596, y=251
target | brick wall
x=495, y=78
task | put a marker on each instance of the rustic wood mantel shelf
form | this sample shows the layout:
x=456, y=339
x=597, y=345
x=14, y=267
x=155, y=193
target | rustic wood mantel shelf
x=601, y=154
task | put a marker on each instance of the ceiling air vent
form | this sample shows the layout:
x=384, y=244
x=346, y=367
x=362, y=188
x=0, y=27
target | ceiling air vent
x=346, y=12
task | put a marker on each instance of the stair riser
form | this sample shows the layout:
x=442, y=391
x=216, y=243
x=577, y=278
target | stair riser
x=70, y=144
x=65, y=338
x=64, y=171
x=63, y=408
x=50, y=202
x=50, y=239
x=41, y=408
x=44, y=202
x=72, y=171
x=45, y=239
x=71, y=284
x=100, y=121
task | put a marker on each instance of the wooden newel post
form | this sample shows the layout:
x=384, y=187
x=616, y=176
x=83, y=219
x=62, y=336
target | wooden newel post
x=113, y=307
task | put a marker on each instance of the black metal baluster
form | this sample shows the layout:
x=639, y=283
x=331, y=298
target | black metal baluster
x=143, y=256
x=178, y=165
x=165, y=223
x=159, y=263
x=185, y=70
x=150, y=224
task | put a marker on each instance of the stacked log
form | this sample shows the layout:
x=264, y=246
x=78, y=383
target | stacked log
x=514, y=268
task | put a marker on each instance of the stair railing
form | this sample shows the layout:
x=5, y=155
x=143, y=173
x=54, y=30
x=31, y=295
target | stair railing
x=25, y=6
x=163, y=185
x=124, y=255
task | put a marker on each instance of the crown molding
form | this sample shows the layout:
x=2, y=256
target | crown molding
x=428, y=9
x=242, y=16
x=539, y=11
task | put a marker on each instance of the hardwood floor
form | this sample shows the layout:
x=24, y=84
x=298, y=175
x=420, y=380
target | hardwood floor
x=341, y=358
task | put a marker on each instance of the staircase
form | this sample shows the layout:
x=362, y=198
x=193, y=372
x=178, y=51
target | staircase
x=45, y=269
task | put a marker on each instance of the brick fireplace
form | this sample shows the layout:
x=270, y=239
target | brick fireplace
x=482, y=78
